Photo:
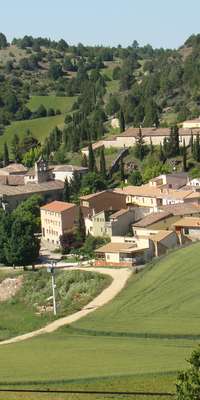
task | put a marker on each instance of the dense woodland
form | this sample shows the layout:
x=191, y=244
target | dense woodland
x=150, y=87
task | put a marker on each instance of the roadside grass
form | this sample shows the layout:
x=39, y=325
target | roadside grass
x=64, y=104
x=74, y=289
x=40, y=127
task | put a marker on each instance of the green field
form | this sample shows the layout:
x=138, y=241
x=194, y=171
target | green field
x=163, y=301
x=139, y=340
x=64, y=104
x=40, y=127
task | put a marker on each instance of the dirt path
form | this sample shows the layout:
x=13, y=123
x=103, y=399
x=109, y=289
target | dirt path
x=119, y=276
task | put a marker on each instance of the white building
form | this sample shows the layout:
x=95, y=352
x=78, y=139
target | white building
x=61, y=172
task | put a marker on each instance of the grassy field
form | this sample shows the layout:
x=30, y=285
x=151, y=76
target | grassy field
x=74, y=289
x=138, y=341
x=40, y=127
x=64, y=104
x=163, y=301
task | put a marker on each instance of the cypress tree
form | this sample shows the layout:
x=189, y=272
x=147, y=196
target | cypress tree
x=102, y=164
x=91, y=159
x=121, y=121
x=5, y=155
x=81, y=231
x=196, y=149
x=191, y=143
x=66, y=191
x=84, y=162
x=184, y=151
x=122, y=175
x=161, y=154
x=151, y=147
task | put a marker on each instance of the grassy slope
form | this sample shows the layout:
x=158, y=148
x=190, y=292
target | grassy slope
x=40, y=128
x=64, y=104
x=161, y=301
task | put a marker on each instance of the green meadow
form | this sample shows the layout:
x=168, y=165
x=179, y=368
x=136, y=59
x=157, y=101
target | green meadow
x=137, y=342
x=64, y=104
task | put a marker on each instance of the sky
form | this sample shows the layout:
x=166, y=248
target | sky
x=162, y=23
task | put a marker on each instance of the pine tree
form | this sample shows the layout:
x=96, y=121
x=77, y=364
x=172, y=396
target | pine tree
x=121, y=121
x=84, y=162
x=5, y=155
x=81, y=230
x=91, y=159
x=102, y=164
x=66, y=191
x=122, y=175
x=184, y=152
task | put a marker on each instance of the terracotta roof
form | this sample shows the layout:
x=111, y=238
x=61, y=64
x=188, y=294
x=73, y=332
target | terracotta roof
x=152, y=131
x=119, y=213
x=68, y=168
x=158, y=237
x=8, y=190
x=91, y=196
x=181, y=209
x=118, y=248
x=14, y=168
x=57, y=206
x=188, y=222
x=151, y=219
x=156, y=192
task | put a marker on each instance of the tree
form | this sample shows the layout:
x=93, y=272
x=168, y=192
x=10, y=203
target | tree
x=23, y=246
x=135, y=178
x=184, y=153
x=191, y=143
x=121, y=121
x=3, y=41
x=196, y=149
x=5, y=155
x=188, y=383
x=122, y=174
x=102, y=164
x=92, y=183
x=66, y=191
x=91, y=159
x=162, y=157
x=84, y=162
x=140, y=147
x=174, y=141
x=151, y=147
x=55, y=71
x=81, y=230
x=15, y=147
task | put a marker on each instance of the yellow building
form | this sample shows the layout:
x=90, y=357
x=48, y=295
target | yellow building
x=57, y=218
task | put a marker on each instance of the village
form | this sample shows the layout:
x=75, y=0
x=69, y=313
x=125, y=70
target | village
x=137, y=222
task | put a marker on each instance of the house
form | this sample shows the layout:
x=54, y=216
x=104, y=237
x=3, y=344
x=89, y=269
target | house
x=154, y=197
x=191, y=124
x=161, y=220
x=153, y=135
x=189, y=227
x=124, y=253
x=39, y=174
x=95, y=146
x=13, y=169
x=61, y=172
x=109, y=223
x=106, y=200
x=12, y=196
x=163, y=241
x=57, y=218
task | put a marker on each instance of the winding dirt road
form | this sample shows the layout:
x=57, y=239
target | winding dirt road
x=119, y=279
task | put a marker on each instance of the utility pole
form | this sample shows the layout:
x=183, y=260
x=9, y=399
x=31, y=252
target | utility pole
x=51, y=270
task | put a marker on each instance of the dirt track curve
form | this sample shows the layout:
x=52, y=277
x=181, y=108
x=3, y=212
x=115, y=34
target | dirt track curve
x=119, y=279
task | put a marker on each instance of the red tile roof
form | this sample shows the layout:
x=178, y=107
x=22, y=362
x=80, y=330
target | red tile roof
x=58, y=206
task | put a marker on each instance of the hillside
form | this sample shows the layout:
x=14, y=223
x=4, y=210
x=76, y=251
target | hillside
x=163, y=301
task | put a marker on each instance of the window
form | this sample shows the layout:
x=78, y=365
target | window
x=186, y=231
